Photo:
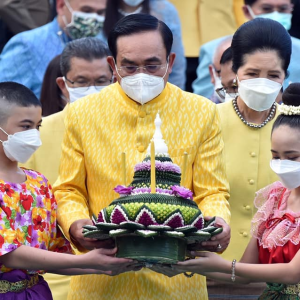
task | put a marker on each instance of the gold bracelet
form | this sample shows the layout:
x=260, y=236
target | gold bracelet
x=233, y=270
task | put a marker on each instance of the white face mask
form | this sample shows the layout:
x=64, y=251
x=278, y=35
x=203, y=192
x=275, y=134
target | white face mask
x=259, y=93
x=218, y=85
x=21, y=145
x=80, y=92
x=142, y=87
x=229, y=98
x=288, y=171
x=133, y=2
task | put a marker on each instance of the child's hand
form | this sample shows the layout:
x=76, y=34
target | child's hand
x=105, y=261
x=205, y=263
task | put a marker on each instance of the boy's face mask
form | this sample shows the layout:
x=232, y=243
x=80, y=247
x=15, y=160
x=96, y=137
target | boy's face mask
x=21, y=145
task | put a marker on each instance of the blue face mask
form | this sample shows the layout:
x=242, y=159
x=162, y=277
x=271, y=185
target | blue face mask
x=284, y=19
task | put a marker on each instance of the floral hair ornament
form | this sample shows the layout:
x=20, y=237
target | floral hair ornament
x=289, y=110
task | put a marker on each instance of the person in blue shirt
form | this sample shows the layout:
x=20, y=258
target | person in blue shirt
x=280, y=11
x=26, y=56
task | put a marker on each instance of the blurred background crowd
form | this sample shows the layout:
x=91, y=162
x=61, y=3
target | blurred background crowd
x=198, y=26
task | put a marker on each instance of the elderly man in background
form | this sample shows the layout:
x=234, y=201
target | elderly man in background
x=215, y=69
x=26, y=56
x=121, y=119
x=85, y=71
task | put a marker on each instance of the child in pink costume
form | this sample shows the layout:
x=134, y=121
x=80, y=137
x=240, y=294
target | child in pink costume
x=272, y=254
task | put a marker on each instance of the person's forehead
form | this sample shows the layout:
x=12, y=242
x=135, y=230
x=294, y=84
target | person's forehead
x=21, y=112
x=81, y=66
x=141, y=46
x=263, y=59
x=95, y=4
x=219, y=52
x=272, y=2
x=227, y=75
x=283, y=137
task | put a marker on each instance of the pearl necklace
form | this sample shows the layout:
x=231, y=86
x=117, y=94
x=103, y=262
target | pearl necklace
x=267, y=120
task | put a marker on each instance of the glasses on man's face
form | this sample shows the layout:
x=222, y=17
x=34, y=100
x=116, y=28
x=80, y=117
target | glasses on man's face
x=149, y=69
x=231, y=91
x=85, y=84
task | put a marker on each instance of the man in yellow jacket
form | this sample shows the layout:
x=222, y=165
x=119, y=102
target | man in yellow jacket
x=85, y=70
x=121, y=119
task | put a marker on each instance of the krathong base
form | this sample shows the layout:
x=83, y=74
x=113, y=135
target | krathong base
x=152, y=250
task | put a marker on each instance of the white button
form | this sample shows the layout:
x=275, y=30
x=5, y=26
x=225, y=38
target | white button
x=247, y=207
x=253, y=154
x=245, y=234
x=251, y=181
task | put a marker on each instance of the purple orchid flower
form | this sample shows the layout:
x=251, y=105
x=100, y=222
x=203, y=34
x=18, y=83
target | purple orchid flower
x=123, y=190
x=180, y=191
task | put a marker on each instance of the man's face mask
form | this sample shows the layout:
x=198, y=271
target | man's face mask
x=83, y=24
x=142, y=87
x=285, y=19
x=80, y=92
x=133, y=2
x=218, y=85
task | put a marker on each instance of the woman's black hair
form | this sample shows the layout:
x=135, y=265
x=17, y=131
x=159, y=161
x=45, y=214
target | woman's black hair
x=112, y=15
x=226, y=56
x=51, y=96
x=262, y=35
x=291, y=96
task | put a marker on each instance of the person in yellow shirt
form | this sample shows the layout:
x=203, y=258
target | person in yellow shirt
x=121, y=119
x=247, y=120
x=203, y=21
x=85, y=70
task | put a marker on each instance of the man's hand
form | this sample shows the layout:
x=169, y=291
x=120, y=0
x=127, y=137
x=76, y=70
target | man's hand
x=217, y=243
x=82, y=243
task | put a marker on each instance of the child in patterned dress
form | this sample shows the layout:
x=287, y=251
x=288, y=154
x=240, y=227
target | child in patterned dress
x=30, y=240
x=272, y=254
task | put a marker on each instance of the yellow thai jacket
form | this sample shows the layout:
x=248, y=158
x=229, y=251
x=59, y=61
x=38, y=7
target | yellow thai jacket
x=247, y=155
x=99, y=128
x=206, y=20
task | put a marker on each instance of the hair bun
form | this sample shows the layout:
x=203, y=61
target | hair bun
x=291, y=95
